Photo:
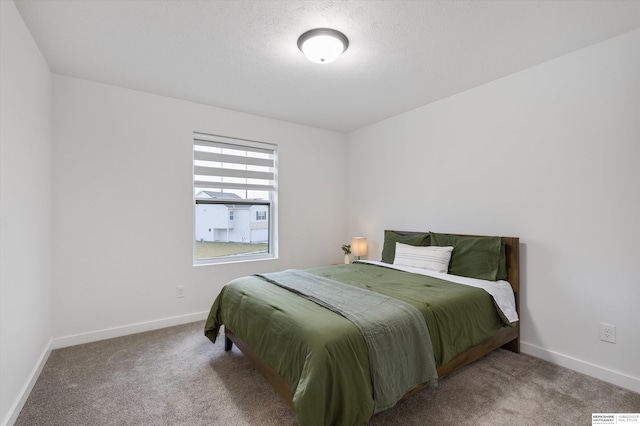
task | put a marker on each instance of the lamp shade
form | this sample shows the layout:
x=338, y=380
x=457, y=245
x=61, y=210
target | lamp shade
x=322, y=45
x=359, y=246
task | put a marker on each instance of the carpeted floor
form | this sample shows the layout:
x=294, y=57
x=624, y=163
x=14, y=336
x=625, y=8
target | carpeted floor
x=175, y=376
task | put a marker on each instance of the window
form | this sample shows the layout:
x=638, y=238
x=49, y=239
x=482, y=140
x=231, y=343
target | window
x=234, y=181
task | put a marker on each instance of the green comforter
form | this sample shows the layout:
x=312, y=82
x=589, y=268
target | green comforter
x=327, y=364
x=388, y=327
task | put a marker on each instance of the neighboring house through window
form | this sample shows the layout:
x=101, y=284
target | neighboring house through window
x=234, y=188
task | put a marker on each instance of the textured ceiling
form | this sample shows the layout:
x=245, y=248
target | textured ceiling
x=242, y=55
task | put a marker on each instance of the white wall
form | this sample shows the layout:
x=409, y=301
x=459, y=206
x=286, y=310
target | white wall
x=550, y=155
x=115, y=264
x=25, y=211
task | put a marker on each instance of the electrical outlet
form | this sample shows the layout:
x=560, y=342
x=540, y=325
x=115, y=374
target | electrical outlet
x=607, y=332
x=179, y=291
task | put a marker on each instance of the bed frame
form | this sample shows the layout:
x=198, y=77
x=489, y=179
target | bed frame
x=507, y=337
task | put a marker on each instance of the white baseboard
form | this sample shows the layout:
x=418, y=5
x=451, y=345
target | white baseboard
x=109, y=333
x=605, y=374
x=15, y=409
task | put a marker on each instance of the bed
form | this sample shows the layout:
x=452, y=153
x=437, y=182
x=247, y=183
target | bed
x=318, y=361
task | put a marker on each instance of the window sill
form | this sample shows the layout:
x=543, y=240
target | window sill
x=210, y=262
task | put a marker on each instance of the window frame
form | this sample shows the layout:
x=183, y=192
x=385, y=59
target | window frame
x=271, y=203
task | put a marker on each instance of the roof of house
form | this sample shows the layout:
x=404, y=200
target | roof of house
x=225, y=195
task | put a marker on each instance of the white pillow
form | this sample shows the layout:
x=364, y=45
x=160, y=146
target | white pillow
x=434, y=258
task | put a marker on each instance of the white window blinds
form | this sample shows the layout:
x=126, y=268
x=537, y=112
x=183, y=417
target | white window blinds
x=233, y=166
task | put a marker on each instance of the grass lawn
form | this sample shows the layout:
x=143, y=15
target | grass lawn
x=206, y=249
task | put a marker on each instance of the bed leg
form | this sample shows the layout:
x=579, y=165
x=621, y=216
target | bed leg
x=513, y=346
x=228, y=344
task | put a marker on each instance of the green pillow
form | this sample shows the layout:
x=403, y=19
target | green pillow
x=391, y=238
x=502, y=266
x=474, y=257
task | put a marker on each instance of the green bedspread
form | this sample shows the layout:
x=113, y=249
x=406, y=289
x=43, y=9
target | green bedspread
x=327, y=364
x=388, y=327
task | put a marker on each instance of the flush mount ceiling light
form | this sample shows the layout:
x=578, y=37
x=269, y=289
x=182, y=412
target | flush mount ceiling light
x=323, y=45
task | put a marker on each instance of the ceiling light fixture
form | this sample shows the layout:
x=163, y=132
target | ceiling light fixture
x=323, y=45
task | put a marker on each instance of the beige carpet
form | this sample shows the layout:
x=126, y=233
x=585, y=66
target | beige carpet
x=175, y=376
